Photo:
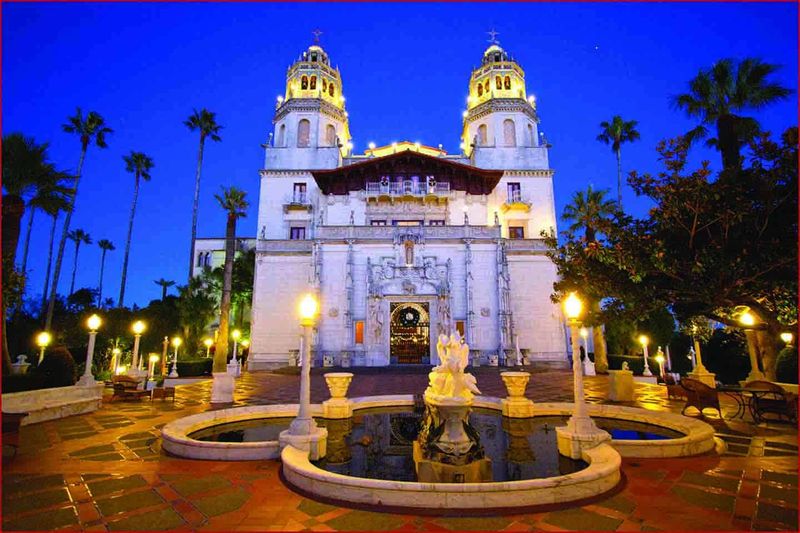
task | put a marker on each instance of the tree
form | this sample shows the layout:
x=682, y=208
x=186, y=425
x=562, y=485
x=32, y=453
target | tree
x=79, y=237
x=205, y=121
x=615, y=133
x=233, y=201
x=139, y=164
x=587, y=211
x=164, y=284
x=241, y=285
x=53, y=207
x=106, y=246
x=709, y=247
x=91, y=128
x=719, y=94
x=196, y=308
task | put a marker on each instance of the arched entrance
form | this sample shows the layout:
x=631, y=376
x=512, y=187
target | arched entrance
x=409, y=333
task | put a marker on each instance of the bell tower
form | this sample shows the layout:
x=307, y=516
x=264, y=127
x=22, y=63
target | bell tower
x=311, y=124
x=500, y=126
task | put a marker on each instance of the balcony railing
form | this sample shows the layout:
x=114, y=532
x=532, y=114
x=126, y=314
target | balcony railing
x=297, y=201
x=516, y=200
x=408, y=188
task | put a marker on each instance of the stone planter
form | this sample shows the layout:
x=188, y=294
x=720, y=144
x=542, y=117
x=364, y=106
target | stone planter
x=338, y=406
x=516, y=405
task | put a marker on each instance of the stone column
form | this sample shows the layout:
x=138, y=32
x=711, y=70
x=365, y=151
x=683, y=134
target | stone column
x=88, y=379
x=752, y=350
x=700, y=372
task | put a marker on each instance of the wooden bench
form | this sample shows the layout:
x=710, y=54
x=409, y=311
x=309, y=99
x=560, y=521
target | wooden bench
x=127, y=388
x=11, y=423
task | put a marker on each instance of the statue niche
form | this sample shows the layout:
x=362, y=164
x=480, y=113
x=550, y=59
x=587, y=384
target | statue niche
x=409, y=245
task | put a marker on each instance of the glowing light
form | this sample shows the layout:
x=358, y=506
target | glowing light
x=308, y=307
x=573, y=306
x=787, y=337
x=350, y=146
x=121, y=369
x=660, y=358
x=245, y=343
x=280, y=99
x=747, y=319
x=416, y=146
x=177, y=341
x=116, y=351
x=584, y=333
x=464, y=114
x=154, y=357
x=94, y=322
x=371, y=145
x=235, y=334
x=138, y=327
x=643, y=340
x=208, y=343
x=462, y=146
x=43, y=339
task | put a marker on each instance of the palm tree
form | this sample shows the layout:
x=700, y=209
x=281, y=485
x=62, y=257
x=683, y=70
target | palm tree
x=78, y=237
x=51, y=189
x=53, y=207
x=91, y=128
x=615, y=133
x=205, y=121
x=716, y=97
x=106, y=246
x=139, y=164
x=585, y=211
x=164, y=284
x=233, y=201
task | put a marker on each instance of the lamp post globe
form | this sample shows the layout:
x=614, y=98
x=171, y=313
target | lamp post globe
x=138, y=328
x=176, y=343
x=43, y=340
x=787, y=338
x=209, y=343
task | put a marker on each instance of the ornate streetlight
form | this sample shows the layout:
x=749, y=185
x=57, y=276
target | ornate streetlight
x=43, y=341
x=644, y=341
x=748, y=322
x=303, y=432
x=176, y=343
x=787, y=338
x=151, y=370
x=138, y=328
x=93, y=324
x=580, y=432
x=660, y=360
x=115, y=360
x=209, y=343
x=235, y=335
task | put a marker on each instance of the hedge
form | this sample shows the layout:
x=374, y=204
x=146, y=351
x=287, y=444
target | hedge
x=786, y=365
x=195, y=367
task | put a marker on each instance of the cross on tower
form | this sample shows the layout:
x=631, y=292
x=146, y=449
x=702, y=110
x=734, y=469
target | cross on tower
x=493, y=36
x=316, y=33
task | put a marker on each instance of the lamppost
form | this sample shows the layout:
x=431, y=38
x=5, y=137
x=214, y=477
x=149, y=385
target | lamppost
x=138, y=329
x=303, y=432
x=208, y=343
x=176, y=343
x=43, y=341
x=151, y=370
x=235, y=334
x=165, y=347
x=660, y=359
x=643, y=340
x=245, y=343
x=580, y=432
x=748, y=322
x=93, y=323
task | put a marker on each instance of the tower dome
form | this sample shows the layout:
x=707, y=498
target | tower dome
x=494, y=54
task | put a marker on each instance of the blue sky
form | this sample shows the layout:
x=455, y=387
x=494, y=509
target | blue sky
x=405, y=70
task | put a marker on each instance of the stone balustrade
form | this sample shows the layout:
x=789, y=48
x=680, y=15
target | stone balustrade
x=57, y=402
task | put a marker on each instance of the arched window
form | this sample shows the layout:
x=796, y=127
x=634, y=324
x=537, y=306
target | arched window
x=486, y=87
x=498, y=82
x=304, y=83
x=507, y=83
x=330, y=135
x=509, y=133
x=531, y=138
x=332, y=89
x=480, y=89
x=313, y=85
x=324, y=85
x=303, y=131
x=482, y=135
x=281, y=140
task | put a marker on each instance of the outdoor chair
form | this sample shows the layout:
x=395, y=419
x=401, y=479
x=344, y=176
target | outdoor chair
x=127, y=388
x=700, y=396
x=674, y=389
x=163, y=393
x=11, y=423
x=776, y=402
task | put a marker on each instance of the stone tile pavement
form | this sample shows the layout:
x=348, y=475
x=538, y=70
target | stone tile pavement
x=106, y=471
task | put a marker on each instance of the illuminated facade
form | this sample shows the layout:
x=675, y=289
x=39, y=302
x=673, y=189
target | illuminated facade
x=405, y=241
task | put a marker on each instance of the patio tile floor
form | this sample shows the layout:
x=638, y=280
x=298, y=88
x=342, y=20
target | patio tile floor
x=106, y=471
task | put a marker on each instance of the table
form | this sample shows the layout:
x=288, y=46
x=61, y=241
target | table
x=744, y=398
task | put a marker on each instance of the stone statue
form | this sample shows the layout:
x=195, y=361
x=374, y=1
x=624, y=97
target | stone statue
x=443, y=313
x=448, y=380
x=377, y=319
x=625, y=365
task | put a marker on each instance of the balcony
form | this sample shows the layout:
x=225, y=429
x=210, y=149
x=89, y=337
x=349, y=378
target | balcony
x=298, y=201
x=516, y=201
x=407, y=189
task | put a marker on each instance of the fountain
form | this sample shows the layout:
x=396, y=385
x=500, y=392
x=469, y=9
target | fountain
x=448, y=448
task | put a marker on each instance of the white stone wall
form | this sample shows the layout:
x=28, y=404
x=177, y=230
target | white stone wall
x=276, y=190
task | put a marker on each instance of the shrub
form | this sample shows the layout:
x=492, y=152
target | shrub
x=725, y=354
x=22, y=382
x=195, y=367
x=786, y=365
x=57, y=368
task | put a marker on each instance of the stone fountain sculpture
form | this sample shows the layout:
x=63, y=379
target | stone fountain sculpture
x=448, y=449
